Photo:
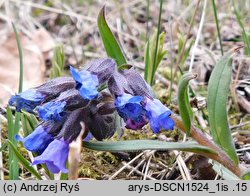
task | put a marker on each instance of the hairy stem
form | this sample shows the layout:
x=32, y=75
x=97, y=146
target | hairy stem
x=201, y=138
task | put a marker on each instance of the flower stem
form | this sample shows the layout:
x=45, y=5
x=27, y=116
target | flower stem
x=201, y=138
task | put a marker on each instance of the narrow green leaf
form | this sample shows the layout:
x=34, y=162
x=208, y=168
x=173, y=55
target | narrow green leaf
x=218, y=88
x=154, y=53
x=29, y=122
x=136, y=145
x=12, y=126
x=111, y=45
x=57, y=62
x=14, y=168
x=20, y=59
x=217, y=26
x=146, y=61
x=23, y=161
x=245, y=35
x=10, y=120
x=183, y=101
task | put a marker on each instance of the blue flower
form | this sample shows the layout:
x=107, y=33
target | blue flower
x=130, y=108
x=159, y=116
x=39, y=139
x=52, y=111
x=27, y=100
x=86, y=83
x=54, y=156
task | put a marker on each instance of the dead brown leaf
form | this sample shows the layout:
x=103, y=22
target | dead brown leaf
x=33, y=61
x=35, y=52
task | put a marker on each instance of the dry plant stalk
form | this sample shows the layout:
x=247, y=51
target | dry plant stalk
x=74, y=155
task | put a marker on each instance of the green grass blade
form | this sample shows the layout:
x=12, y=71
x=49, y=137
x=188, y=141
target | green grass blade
x=12, y=162
x=29, y=122
x=20, y=88
x=147, y=63
x=23, y=161
x=218, y=88
x=183, y=101
x=217, y=26
x=154, y=65
x=57, y=62
x=14, y=125
x=245, y=36
x=136, y=145
x=111, y=45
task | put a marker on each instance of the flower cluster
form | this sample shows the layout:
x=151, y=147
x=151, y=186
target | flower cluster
x=63, y=103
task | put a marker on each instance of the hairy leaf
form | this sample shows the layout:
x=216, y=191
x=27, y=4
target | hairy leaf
x=135, y=145
x=183, y=101
x=218, y=88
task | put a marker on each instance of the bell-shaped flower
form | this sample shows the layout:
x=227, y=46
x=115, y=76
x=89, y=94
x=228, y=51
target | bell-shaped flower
x=27, y=100
x=159, y=116
x=54, y=156
x=131, y=109
x=52, y=111
x=41, y=137
x=86, y=83
x=31, y=98
x=57, y=108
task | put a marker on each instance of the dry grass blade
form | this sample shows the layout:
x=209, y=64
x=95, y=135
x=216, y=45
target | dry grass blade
x=125, y=166
x=182, y=166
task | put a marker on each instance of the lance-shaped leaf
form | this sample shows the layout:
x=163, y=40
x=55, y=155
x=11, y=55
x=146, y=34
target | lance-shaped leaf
x=218, y=88
x=111, y=45
x=136, y=145
x=183, y=101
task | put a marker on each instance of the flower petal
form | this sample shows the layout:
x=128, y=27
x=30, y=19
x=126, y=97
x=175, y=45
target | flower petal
x=86, y=83
x=54, y=156
x=52, y=111
x=130, y=108
x=158, y=115
x=39, y=139
x=27, y=100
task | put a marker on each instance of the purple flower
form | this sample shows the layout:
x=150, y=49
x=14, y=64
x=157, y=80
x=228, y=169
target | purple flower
x=131, y=109
x=27, y=100
x=39, y=139
x=52, y=111
x=54, y=156
x=86, y=83
x=103, y=68
x=159, y=116
x=135, y=125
